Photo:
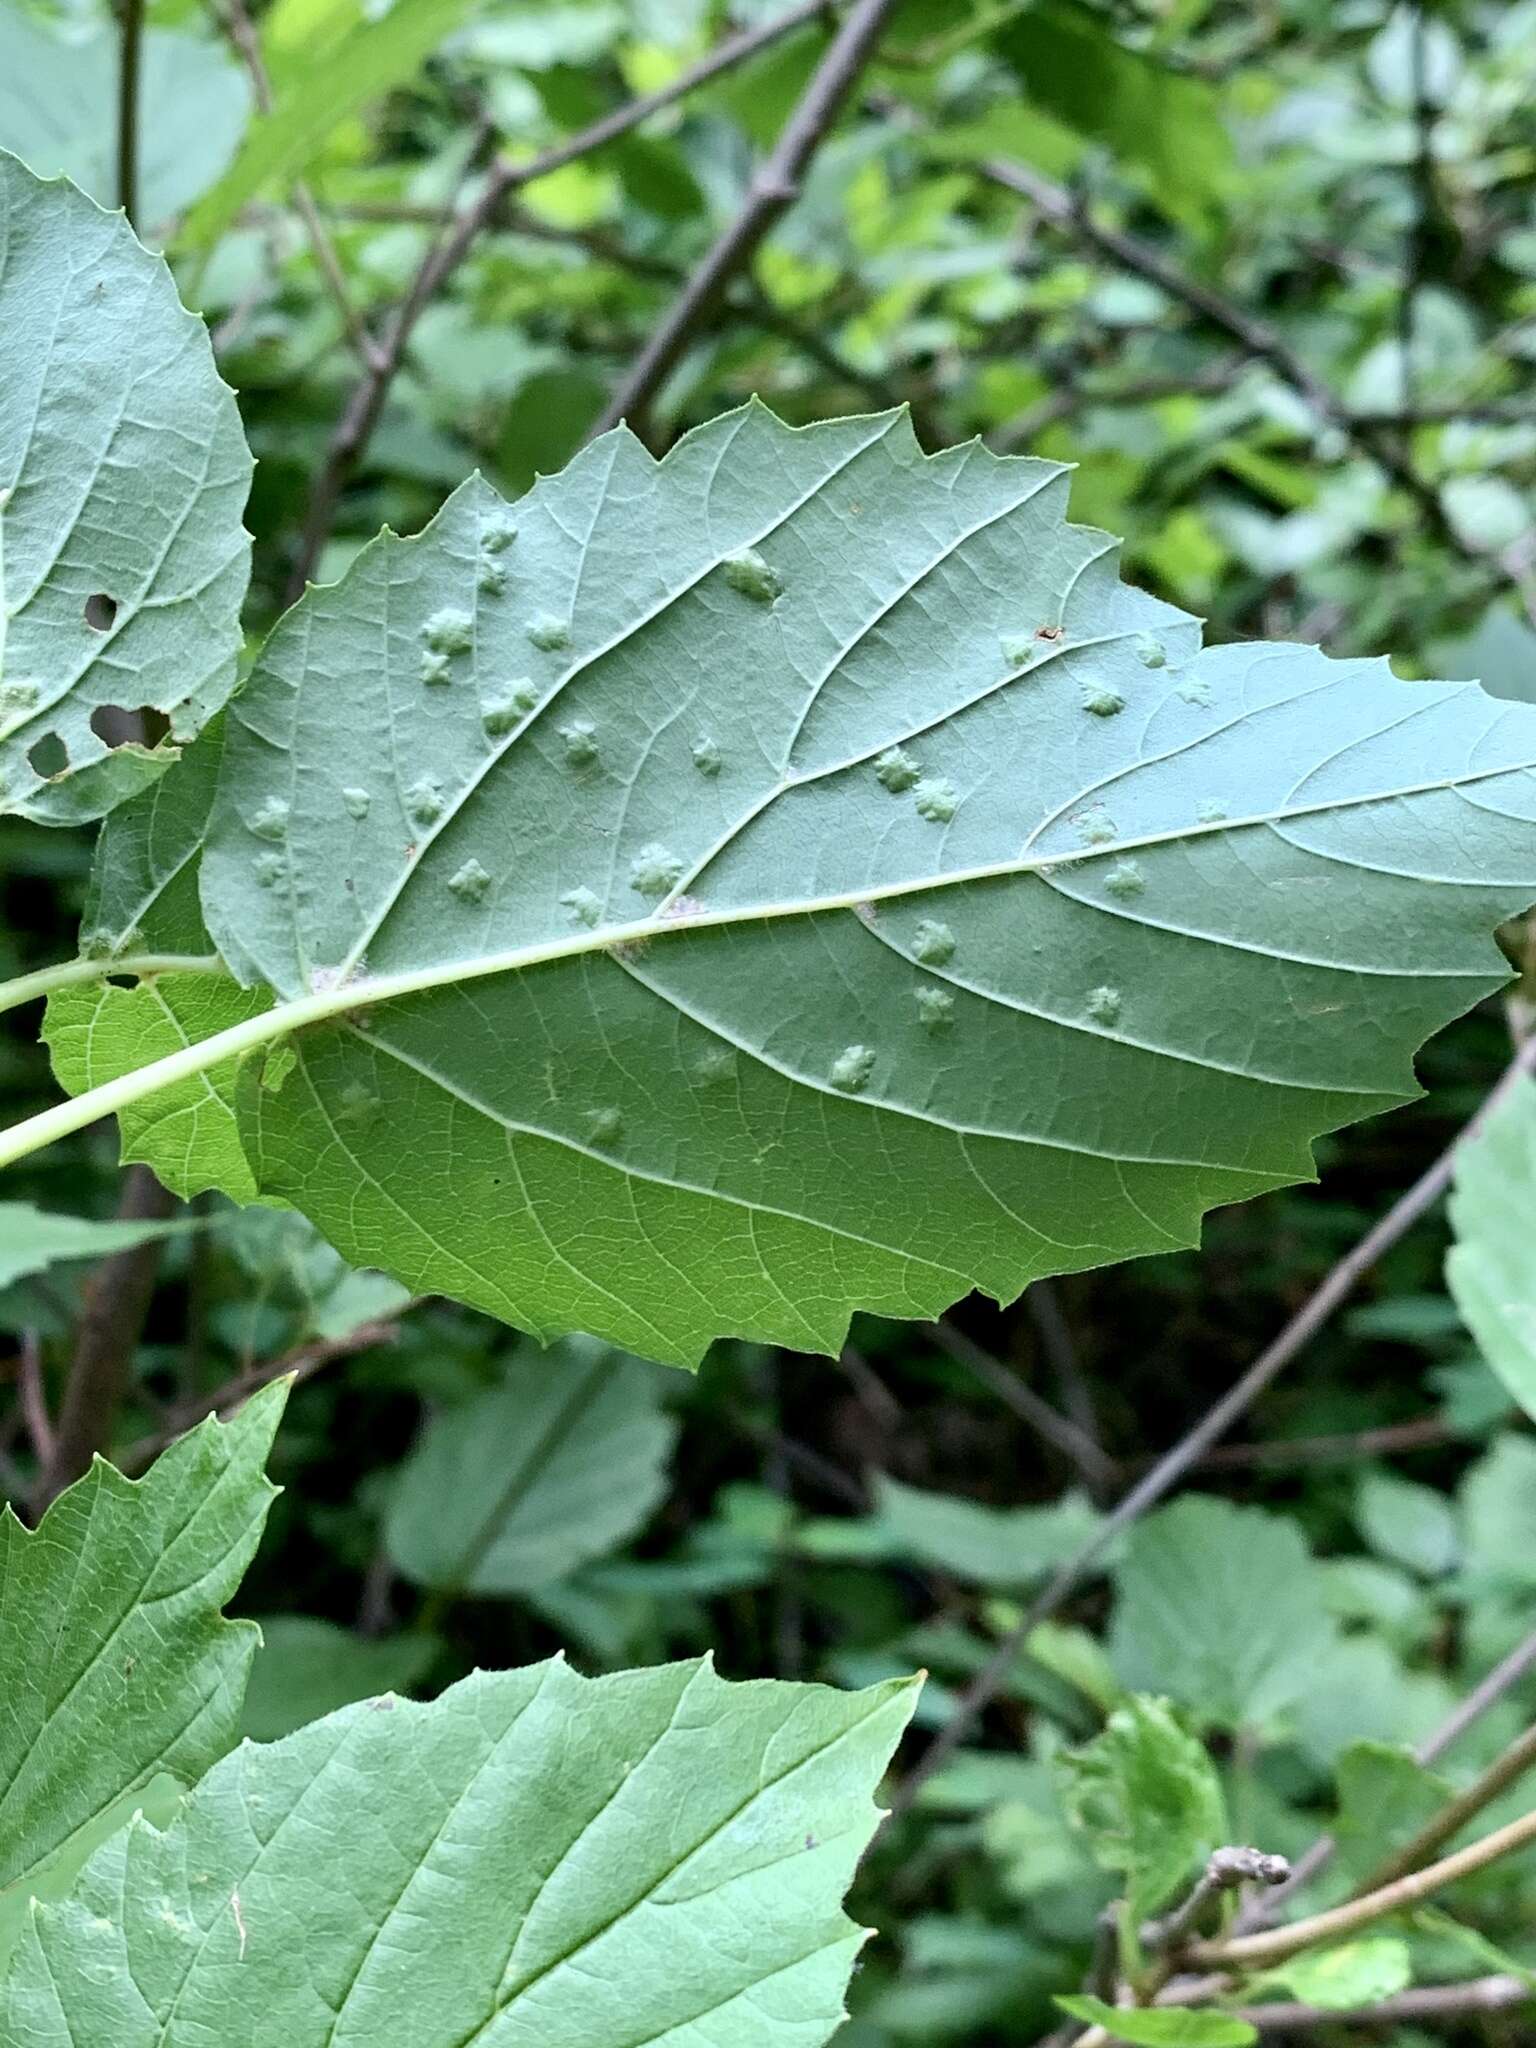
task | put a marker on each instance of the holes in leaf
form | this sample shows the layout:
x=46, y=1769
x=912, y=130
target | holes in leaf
x=100, y=612
x=48, y=755
x=116, y=725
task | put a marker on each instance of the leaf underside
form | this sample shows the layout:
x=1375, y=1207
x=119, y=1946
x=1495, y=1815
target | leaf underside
x=831, y=889
x=123, y=562
x=535, y=1860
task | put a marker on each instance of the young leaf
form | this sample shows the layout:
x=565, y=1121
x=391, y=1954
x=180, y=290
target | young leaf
x=1148, y=1795
x=331, y=83
x=1220, y=1607
x=1489, y=1268
x=557, y=1464
x=123, y=474
x=536, y=1857
x=1161, y=2026
x=118, y=1666
x=858, y=885
x=1357, y=1973
x=32, y=1240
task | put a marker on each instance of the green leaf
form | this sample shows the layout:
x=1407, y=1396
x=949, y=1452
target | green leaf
x=1221, y=1608
x=983, y=1545
x=287, y=1258
x=766, y=892
x=1359, y=1973
x=1498, y=1517
x=32, y=1239
x=1163, y=2026
x=1489, y=1269
x=329, y=85
x=559, y=1463
x=119, y=1668
x=187, y=1132
x=307, y=1667
x=1148, y=1796
x=1166, y=122
x=1385, y=1795
x=535, y=1856
x=1413, y=1525
x=123, y=471
x=58, y=90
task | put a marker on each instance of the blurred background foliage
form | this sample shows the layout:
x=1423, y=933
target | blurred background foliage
x=1267, y=272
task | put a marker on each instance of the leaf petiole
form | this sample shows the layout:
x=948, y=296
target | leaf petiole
x=27, y=988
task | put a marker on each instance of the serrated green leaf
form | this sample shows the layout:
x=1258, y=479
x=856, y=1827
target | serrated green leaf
x=123, y=562
x=1147, y=1795
x=559, y=1463
x=535, y=1857
x=187, y=1132
x=1489, y=1269
x=116, y=1664
x=1220, y=1607
x=32, y=1239
x=841, y=901
x=1162, y=2026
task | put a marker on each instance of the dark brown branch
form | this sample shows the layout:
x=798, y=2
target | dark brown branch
x=1075, y=1444
x=773, y=189
x=113, y=1308
x=458, y=235
x=33, y=1397
x=1255, y=336
x=1172, y=1466
x=301, y=1363
x=130, y=58
x=1426, y=2002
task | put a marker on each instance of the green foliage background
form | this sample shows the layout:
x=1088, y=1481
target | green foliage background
x=1355, y=181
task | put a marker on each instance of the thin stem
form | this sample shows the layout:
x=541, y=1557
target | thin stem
x=1487, y=1693
x=30, y=988
x=34, y=1399
x=1172, y=1466
x=1089, y=1461
x=1257, y=338
x=1424, y=2002
x=115, y=1304
x=773, y=189
x=241, y=31
x=300, y=1363
x=111, y=1096
x=1259, y=1951
x=354, y=429
x=130, y=54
